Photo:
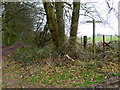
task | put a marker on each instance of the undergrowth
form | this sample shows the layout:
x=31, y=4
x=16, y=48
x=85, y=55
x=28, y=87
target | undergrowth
x=45, y=67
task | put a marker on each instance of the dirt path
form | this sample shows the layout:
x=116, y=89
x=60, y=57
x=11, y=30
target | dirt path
x=4, y=52
x=7, y=50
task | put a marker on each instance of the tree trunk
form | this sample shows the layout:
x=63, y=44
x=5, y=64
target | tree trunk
x=52, y=23
x=74, y=23
x=60, y=22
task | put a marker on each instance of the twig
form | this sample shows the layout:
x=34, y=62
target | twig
x=69, y=57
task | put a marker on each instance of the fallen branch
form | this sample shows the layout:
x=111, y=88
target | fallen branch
x=69, y=57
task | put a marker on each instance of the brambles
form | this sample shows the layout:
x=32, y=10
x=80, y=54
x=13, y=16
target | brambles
x=65, y=53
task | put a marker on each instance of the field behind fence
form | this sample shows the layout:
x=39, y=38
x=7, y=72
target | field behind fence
x=99, y=38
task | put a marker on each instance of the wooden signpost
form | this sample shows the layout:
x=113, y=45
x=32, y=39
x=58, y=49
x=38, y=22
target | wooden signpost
x=93, y=21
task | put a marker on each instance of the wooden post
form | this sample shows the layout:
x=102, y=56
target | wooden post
x=103, y=43
x=103, y=46
x=93, y=36
x=81, y=41
x=93, y=33
x=111, y=40
x=85, y=42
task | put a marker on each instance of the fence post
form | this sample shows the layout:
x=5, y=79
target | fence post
x=111, y=40
x=93, y=38
x=103, y=43
x=85, y=42
x=103, y=46
x=81, y=41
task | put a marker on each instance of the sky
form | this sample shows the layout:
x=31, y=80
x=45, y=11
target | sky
x=87, y=29
x=110, y=29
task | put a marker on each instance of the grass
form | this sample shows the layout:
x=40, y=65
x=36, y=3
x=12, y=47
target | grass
x=59, y=76
x=54, y=76
x=24, y=69
x=100, y=38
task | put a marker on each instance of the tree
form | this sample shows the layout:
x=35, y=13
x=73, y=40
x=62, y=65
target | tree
x=17, y=21
x=56, y=22
x=74, y=23
x=52, y=22
x=60, y=21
